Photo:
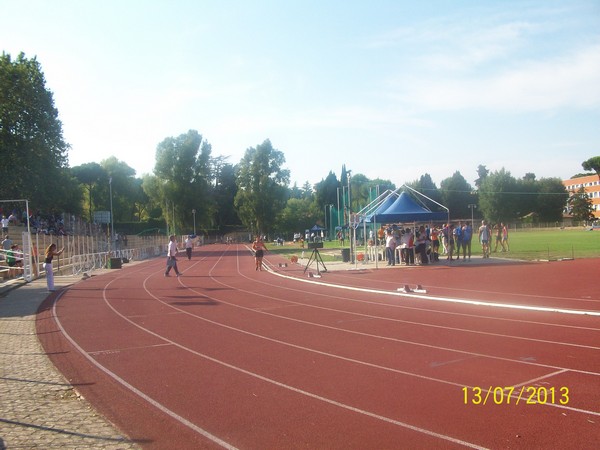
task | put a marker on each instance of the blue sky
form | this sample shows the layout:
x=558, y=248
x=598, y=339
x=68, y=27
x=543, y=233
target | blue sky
x=391, y=89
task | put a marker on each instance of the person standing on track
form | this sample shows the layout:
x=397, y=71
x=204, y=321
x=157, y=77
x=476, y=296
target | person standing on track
x=467, y=236
x=189, y=245
x=505, y=245
x=259, y=251
x=498, y=232
x=48, y=256
x=484, y=238
x=172, y=256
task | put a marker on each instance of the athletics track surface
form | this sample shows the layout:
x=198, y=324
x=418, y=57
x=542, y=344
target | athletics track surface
x=229, y=357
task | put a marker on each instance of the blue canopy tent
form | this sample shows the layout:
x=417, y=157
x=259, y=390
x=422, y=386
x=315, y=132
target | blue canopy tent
x=406, y=209
x=401, y=208
x=316, y=233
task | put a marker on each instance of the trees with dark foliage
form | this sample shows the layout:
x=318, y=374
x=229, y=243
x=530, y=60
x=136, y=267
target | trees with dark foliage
x=34, y=153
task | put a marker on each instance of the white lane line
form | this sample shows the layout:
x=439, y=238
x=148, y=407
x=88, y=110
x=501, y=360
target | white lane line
x=434, y=311
x=260, y=377
x=132, y=388
x=445, y=299
x=203, y=432
x=463, y=330
x=380, y=291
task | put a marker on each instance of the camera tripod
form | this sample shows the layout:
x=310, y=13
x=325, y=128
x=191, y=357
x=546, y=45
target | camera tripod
x=316, y=256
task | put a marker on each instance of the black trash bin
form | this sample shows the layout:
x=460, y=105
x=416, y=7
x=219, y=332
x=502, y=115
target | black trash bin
x=346, y=254
x=114, y=263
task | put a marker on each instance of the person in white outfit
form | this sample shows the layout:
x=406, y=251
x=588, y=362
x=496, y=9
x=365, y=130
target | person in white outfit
x=189, y=245
x=172, y=256
x=50, y=253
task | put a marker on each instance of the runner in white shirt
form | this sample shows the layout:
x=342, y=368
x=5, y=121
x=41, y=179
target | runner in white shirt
x=172, y=256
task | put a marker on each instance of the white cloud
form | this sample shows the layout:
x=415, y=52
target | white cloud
x=571, y=81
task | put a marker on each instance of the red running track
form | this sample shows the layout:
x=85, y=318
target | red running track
x=226, y=356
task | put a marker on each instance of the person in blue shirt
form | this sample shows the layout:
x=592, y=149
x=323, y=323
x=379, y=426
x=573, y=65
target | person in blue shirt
x=467, y=236
x=458, y=238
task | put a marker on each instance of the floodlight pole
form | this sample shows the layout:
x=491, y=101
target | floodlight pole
x=349, y=173
x=112, y=223
x=472, y=206
x=194, y=214
x=338, y=204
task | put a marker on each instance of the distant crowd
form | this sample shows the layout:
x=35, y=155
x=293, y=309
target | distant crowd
x=11, y=255
x=39, y=222
x=424, y=244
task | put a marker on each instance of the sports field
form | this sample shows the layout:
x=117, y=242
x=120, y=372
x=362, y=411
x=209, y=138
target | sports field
x=528, y=245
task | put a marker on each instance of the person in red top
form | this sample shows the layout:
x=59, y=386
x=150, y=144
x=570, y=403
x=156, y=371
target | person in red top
x=259, y=251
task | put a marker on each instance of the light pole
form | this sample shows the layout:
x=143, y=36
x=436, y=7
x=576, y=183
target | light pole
x=338, y=206
x=112, y=223
x=194, y=214
x=173, y=204
x=349, y=217
x=472, y=206
x=325, y=211
x=330, y=231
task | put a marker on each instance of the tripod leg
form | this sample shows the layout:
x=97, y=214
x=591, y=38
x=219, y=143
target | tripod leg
x=321, y=260
x=312, y=256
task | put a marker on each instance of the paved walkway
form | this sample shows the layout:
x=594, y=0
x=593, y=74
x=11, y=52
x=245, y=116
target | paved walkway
x=39, y=409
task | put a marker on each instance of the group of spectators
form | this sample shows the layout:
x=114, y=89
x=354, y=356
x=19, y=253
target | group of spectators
x=424, y=244
x=39, y=222
x=498, y=233
x=11, y=255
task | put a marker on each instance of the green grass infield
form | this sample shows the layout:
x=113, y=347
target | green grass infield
x=552, y=244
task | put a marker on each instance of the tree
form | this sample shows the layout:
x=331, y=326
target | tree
x=295, y=192
x=580, y=206
x=224, y=194
x=379, y=186
x=426, y=186
x=141, y=204
x=592, y=164
x=327, y=190
x=528, y=196
x=298, y=215
x=482, y=173
x=34, y=153
x=306, y=191
x=551, y=199
x=121, y=180
x=152, y=187
x=183, y=172
x=360, y=186
x=497, y=196
x=262, y=187
x=456, y=195
x=89, y=176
